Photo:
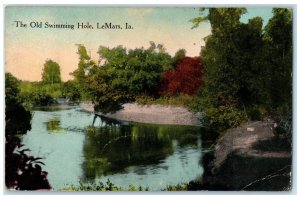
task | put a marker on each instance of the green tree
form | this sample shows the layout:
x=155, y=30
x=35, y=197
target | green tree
x=179, y=55
x=227, y=64
x=278, y=47
x=71, y=90
x=17, y=117
x=126, y=74
x=243, y=65
x=51, y=72
x=85, y=65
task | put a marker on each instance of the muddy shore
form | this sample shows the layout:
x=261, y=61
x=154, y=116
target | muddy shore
x=154, y=114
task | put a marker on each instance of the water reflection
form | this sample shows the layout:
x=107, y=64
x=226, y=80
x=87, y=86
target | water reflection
x=145, y=155
x=112, y=149
x=53, y=125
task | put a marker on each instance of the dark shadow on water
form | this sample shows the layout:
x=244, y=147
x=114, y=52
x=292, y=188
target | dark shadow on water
x=53, y=108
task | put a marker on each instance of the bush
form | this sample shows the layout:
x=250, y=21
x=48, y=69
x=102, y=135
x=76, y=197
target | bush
x=222, y=117
x=39, y=94
x=179, y=100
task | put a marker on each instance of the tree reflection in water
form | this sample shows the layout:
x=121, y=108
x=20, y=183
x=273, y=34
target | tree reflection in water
x=113, y=148
x=53, y=125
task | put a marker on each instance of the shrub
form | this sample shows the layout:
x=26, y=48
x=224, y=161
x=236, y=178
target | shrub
x=183, y=100
x=185, y=79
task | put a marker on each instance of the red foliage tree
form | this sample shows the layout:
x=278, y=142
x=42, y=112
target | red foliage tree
x=186, y=78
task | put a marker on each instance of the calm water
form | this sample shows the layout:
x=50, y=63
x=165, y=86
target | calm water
x=76, y=150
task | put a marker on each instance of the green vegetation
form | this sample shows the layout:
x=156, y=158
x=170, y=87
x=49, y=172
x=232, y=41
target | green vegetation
x=71, y=90
x=125, y=74
x=247, y=68
x=40, y=94
x=51, y=72
x=121, y=74
x=17, y=116
x=108, y=186
x=45, y=92
x=182, y=100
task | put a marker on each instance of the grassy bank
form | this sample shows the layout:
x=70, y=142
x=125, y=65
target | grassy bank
x=179, y=100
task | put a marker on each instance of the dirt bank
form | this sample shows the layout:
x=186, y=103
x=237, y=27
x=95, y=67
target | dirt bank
x=155, y=114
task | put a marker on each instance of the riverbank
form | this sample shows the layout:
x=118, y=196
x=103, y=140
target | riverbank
x=249, y=157
x=154, y=114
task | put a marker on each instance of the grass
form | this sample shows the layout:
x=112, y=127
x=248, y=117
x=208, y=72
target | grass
x=180, y=100
x=109, y=186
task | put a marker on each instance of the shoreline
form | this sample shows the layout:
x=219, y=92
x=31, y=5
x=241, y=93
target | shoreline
x=152, y=114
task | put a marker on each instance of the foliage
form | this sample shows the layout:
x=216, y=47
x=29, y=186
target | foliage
x=85, y=65
x=125, y=74
x=17, y=117
x=23, y=172
x=40, y=94
x=108, y=186
x=182, y=100
x=186, y=78
x=245, y=67
x=178, y=187
x=278, y=55
x=51, y=72
x=179, y=55
x=71, y=90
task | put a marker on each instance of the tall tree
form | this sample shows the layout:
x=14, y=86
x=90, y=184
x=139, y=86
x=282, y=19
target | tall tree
x=279, y=53
x=51, y=72
x=229, y=72
x=85, y=65
x=244, y=66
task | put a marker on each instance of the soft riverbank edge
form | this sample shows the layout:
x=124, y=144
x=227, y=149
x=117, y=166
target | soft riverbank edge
x=152, y=114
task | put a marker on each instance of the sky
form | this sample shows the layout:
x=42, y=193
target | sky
x=27, y=48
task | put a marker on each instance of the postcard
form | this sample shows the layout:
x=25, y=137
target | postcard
x=148, y=98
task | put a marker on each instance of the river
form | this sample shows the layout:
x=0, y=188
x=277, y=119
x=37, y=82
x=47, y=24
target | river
x=77, y=150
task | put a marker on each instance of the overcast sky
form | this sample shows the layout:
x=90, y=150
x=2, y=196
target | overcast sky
x=27, y=49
